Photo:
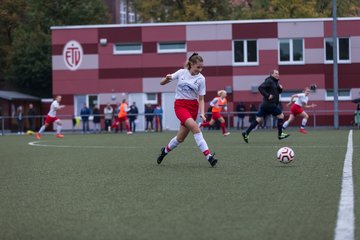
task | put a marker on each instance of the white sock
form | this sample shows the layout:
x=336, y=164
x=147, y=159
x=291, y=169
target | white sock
x=42, y=129
x=58, y=129
x=172, y=144
x=303, y=122
x=201, y=143
x=285, y=125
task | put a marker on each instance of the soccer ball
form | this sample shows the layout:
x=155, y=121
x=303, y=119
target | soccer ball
x=285, y=155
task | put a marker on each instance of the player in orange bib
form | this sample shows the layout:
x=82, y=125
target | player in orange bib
x=122, y=117
x=218, y=104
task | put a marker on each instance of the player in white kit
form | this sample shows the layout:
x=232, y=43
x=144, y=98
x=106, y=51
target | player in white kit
x=297, y=109
x=52, y=118
x=189, y=99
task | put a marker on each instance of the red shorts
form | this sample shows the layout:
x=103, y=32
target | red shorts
x=185, y=109
x=50, y=120
x=296, y=109
x=122, y=119
x=215, y=115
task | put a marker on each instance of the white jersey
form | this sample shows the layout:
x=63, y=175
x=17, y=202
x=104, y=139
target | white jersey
x=189, y=86
x=53, y=108
x=301, y=100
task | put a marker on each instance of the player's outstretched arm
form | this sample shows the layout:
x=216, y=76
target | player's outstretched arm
x=166, y=79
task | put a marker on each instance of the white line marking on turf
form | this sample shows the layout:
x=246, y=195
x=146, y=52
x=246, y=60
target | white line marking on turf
x=41, y=144
x=38, y=144
x=345, y=224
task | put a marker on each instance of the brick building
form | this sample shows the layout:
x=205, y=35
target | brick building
x=106, y=63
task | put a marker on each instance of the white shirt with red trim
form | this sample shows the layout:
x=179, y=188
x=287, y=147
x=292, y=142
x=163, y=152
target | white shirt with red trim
x=189, y=86
x=53, y=108
x=301, y=99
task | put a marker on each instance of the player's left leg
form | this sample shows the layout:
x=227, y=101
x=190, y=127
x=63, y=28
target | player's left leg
x=287, y=122
x=58, y=129
x=200, y=141
x=303, y=122
x=281, y=134
x=223, y=128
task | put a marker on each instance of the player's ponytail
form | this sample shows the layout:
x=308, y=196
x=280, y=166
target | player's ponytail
x=194, y=58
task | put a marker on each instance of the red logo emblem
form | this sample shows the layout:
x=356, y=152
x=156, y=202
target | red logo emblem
x=73, y=55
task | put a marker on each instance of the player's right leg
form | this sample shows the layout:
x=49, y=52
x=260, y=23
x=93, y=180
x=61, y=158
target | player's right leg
x=174, y=142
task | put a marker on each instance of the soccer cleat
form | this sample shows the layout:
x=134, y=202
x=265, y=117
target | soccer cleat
x=161, y=156
x=212, y=160
x=129, y=133
x=245, y=136
x=302, y=130
x=226, y=134
x=283, y=136
x=38, y=136
x=59, y=135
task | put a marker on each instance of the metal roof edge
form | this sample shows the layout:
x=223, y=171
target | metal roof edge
x=202, y=23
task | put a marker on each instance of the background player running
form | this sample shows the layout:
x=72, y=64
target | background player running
x=301, y=101
x=52, y=118
x=217, y=104
x=270, y=89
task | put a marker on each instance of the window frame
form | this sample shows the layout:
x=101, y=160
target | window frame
x=338, y=51
x=178, y=50
x=291, y=52
x=340, y=98
x=87, y=98
x=127, y=52
x=245, y=48
x=146, y=98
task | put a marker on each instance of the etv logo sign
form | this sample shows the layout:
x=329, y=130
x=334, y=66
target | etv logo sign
x=73, y=55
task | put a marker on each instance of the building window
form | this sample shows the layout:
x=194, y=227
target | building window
x=291, y=51
x=171, y=47
x=127, y=48
x=344, y=94
x=286, y=95
x=151, y=98
x=90, y=100
x=343, y=50
x=245, y=52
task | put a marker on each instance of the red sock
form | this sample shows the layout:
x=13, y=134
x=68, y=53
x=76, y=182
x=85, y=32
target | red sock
x=223, y=127
x=206, y=152
x=205, y=124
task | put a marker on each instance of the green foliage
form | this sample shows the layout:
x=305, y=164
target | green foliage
x=29, y=67
x=182, y=10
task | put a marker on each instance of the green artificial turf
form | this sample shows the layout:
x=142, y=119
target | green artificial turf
x=108, y=186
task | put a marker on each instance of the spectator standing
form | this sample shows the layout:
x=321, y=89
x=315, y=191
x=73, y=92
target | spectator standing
x=108, y=115
x=31, y=117
x=96, y=120
x=20, y=119
x=240, y=109
x=149, y=116
x=158, y=112
x=85, y=113
x=133, y=113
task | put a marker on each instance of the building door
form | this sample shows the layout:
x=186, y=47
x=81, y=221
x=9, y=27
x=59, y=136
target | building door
x=170, y=121
x=138, y=98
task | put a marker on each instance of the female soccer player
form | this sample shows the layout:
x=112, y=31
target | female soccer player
x=218, y=104
x=297, y=109
x=189, y=96
x=52, y=118
x=122, y=117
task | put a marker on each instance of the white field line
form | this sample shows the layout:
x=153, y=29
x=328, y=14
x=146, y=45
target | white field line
x=345, y=224
x=240, y=146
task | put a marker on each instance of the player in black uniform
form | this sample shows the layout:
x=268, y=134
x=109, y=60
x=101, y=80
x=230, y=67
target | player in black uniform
x=270, y=89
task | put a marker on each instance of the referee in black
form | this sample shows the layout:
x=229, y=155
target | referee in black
x=270, y=89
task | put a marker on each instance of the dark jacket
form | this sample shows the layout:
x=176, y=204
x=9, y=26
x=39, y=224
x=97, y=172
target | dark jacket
x=270, y=86
x=133, y=112
x=96, y=114
x=85, y=113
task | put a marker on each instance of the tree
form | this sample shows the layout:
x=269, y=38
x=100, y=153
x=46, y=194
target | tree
x=182, y=10
x=30, y=59
x=11, y=14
